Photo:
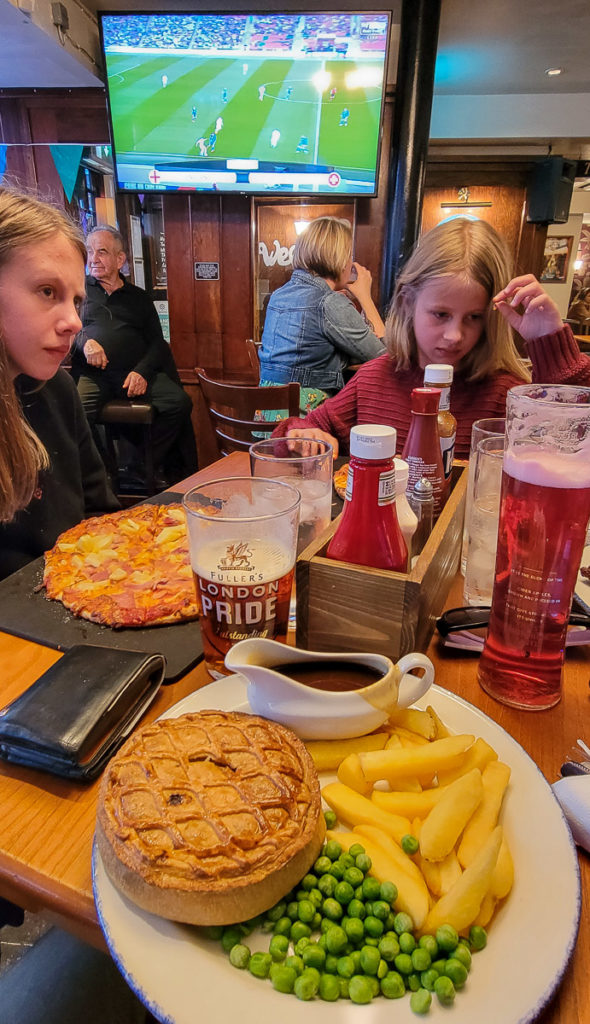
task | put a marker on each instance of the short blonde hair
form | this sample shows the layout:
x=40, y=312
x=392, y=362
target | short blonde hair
x=466, y=248
x=324, y=248
x=24, y=220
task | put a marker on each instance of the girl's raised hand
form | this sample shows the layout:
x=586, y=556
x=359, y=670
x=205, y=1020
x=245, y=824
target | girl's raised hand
x=527, y=308
x=312, y=434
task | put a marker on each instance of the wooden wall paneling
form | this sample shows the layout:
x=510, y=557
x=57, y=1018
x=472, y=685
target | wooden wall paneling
x=206, y=248
x=181, y=298
x=236, y=284
x=369, y=236
x=15, y=128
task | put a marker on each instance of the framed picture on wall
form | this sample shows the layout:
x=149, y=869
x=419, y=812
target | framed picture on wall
x=556, y=259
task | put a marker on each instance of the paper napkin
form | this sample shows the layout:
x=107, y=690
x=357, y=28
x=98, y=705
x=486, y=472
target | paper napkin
x=573, y=794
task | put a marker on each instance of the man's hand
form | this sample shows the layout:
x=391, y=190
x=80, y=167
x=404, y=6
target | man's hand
x=135, y=384
x=95, y=354
x=311, y=434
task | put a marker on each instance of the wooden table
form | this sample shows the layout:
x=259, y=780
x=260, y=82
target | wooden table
x=47, y=824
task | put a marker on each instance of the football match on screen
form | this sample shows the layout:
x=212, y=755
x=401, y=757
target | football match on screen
x=259, y=103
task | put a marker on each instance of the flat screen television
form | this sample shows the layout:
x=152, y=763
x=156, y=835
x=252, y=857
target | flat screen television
x=287, y=104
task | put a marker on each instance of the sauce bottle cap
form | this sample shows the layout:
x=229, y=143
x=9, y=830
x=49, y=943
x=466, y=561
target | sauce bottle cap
x=402, y=471
x=423, y=488
x=373, y=441
x=438, y=373
x=425, y=400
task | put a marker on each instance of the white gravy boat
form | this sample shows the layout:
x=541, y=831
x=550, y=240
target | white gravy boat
x=317, y=714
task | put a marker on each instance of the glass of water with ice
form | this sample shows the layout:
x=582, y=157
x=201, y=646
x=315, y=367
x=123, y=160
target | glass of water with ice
x=482, y=528
x=310, y=474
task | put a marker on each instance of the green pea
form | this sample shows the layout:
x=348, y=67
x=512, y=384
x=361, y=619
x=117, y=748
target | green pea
x=371, y=940
x=373, y=926
x=358, y=892
x=336, y=940
x=403, y=963
x=343, y=986
x=267, y=926
x=356, y=960
x=428, y=978
x=306, y=911
x=277, y=911
x=478, y=937
x=345, y=967
x=331, y=964
x=314, y=956
x=316, y=896
x=354, y=929
x=326, y=924
x=462, y=953
x=383, y=969
x=239, y=956
x=308, y=882
x=322, y=865
x=429, y=942
x=329, y=988
x=259, y=964
x=344, y=893
x=299, y=931
x=355, y=850
x=439, y=965
x=421, y=959
x=332, y=849
x=407, y=942
x=409, y=844
x=356, y=909
x=293, y=910
x=322, y=941
x=444, y=990
x=456, y=971
x=307, y=984
x=279, y=947
x=388, y=892
x=413, y=981
x=403, y=923
x=447, y=938
x=392, y=985
x=230, y=938
x=332, y=909
x=389, y=921
x=317, y=920
x=371, y=889
x=374, y=984
x=347, y=858
x=369, y=908
x=380, y=909
x=389, y=947
x=420, y=1001
x=363, y=862
x=283, y=978
x=360, y=990
x=283, y=926
x=295, y=962
x=353, y=876
x=338, y=869
x=370, y=958
x=330, y=819
x=327, y=884
x=301, y=943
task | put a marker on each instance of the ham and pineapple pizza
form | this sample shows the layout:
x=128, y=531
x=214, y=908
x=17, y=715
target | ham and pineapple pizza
x=340, y=477
x=129, y=568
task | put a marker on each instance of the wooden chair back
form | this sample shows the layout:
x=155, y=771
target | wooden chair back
x=232, y=409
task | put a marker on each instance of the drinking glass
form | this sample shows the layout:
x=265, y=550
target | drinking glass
x=482, y=531
x=310, y=474
x=492, y=427
x=544, y=512
x=243, y=541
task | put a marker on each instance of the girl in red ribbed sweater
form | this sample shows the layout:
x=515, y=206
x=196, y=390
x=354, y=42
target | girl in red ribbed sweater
x=450, y=305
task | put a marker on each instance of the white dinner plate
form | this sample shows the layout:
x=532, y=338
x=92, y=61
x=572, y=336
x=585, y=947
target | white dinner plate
x=182, y=977
x=582, y=591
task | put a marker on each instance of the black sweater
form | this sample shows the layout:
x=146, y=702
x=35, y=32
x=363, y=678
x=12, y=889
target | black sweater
x=73, y=488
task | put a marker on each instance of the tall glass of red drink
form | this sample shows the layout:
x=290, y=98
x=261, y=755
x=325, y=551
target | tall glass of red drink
x=544, y=513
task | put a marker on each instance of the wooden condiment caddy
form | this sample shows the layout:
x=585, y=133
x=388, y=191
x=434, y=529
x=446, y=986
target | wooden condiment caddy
x=344, y=607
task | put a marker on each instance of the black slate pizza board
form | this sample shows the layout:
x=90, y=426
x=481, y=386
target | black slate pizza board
x=26, y=612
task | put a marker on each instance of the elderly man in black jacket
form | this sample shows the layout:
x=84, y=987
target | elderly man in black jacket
x=121, y=352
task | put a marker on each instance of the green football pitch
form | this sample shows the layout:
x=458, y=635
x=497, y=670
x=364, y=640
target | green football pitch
x=158, y=119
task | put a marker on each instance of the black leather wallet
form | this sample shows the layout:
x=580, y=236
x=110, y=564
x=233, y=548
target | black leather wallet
x=77, y=714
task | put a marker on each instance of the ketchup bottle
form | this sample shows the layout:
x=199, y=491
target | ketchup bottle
x=422, y=447
x=369, y=532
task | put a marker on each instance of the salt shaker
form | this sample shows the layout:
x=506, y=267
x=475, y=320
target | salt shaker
x=406, y=516
x=421, y=500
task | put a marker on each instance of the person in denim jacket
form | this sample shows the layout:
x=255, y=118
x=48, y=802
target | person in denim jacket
x=312, y=331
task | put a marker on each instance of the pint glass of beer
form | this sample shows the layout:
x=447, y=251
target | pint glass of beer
x=243, y=541
x=544, y=512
